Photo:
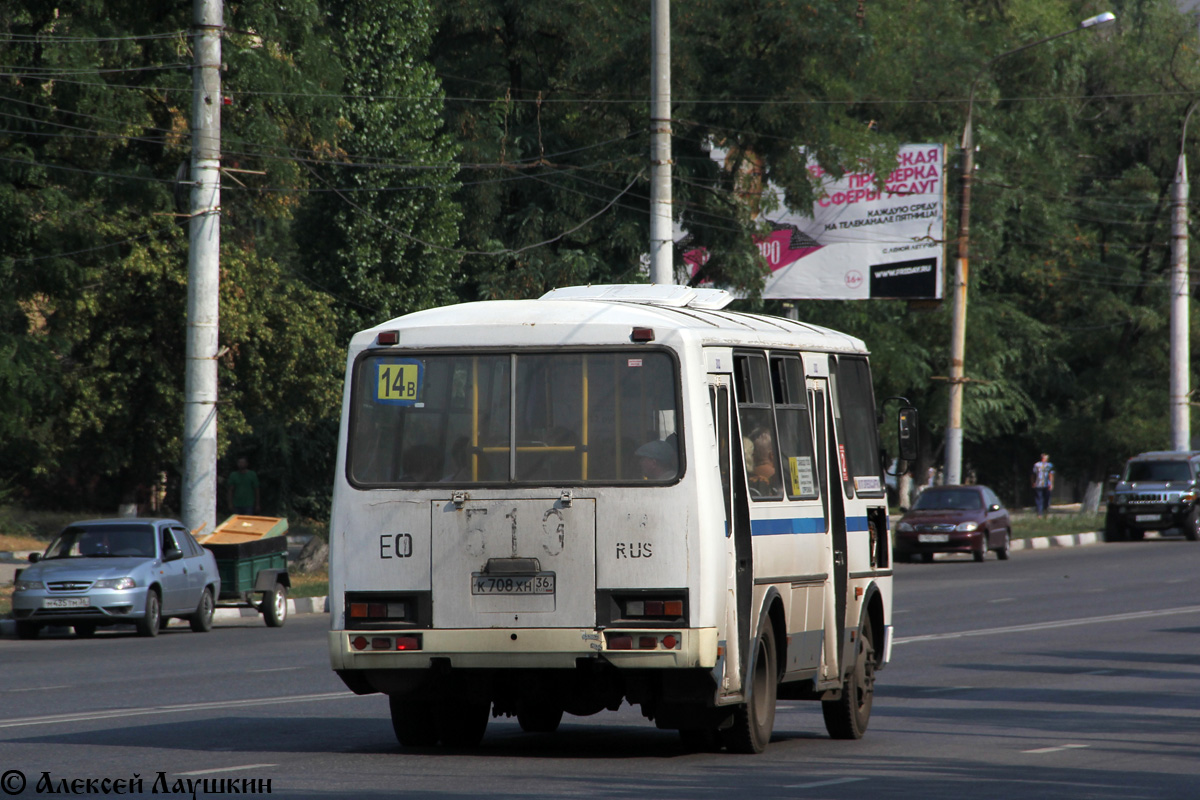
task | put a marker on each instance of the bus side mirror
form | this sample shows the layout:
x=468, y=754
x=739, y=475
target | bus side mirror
x=907, y=422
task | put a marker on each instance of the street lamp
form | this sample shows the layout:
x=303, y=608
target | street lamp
x=958, y=330
x=1180, y=391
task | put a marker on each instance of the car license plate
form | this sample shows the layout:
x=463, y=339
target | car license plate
x=66, y=602
x=1147, y=517
x=933, y=538
x=541, y=583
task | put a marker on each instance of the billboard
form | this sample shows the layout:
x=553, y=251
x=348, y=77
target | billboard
x=860, y=242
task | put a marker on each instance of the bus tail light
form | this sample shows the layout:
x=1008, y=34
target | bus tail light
x=378, y=610
x=385, y=643
x=643, y=641
x=654, y=609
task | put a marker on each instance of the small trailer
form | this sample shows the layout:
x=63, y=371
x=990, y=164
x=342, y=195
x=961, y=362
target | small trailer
x=251, y=555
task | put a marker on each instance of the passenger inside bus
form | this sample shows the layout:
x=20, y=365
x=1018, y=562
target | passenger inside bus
x=657, y=460
x=762, y=472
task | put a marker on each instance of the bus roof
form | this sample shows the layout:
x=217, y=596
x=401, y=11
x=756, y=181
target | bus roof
x=605, y=315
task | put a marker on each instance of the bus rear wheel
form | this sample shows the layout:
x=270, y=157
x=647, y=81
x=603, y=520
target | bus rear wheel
x=847, y=717
x=754, y=720
x=413, y=721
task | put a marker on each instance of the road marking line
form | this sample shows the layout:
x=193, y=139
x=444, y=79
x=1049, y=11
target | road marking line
x=42, y=688
x=1004, y=600
x=819, y=784
x=1057, y=749
x=275, y=669
x=1042, y=626
x=226, y=769
x=117, y=713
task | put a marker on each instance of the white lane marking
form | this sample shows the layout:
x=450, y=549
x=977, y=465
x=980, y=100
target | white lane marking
x=1042, y=626
x=226, y=769
x=275, y=669
x=1057, y=749
x=818, y=784
x=41, y=688
x=1003, y=600
x=184, y=708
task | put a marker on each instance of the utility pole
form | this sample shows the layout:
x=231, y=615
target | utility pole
x=204, y=250
x=662, y=265
x=1181, y=418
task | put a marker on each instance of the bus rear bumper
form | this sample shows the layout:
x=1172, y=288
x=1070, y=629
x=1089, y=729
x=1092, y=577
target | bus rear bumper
x=522, y=648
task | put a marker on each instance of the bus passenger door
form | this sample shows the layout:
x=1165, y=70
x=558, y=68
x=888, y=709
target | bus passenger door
x=739, y=557
x=833, y=503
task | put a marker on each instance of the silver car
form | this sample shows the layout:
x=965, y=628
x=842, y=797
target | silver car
x=117, y=571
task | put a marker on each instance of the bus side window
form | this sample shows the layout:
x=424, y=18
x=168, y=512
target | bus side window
x=795, y=431
x=757, y=424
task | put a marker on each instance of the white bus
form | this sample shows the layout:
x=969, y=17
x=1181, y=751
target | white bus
x=610, y=493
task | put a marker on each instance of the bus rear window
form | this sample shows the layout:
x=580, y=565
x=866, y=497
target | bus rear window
x=529, y=418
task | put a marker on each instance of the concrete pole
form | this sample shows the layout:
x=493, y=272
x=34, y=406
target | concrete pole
x=958, y=322
x=662, y=266
x=203, y=304
x=1181, y=424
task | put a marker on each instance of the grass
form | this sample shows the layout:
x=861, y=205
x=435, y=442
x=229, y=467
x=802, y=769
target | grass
x=309, y=584
x=1027, y=525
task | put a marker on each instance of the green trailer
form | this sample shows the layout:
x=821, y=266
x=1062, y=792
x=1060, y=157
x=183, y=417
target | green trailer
x=251, y=555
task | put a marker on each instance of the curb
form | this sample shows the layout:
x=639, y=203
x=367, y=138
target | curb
x=1063, y=540
x=298, y=605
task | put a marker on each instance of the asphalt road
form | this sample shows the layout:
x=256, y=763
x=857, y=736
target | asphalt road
x=1058, y=674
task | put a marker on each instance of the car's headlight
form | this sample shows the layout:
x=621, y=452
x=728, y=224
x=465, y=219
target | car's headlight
x=115, y=583
x=904, y=527
x=28, y=586
x=967, y=527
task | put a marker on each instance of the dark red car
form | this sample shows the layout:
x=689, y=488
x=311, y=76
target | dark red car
x=953, y=519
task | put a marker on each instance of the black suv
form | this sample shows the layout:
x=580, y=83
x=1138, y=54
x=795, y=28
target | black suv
x=1155, y=492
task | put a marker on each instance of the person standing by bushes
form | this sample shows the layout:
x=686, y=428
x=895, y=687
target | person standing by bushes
x=1042, y=481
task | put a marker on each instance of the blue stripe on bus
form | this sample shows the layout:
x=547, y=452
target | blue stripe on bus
x=778, y=527
x=781, y=527
x=856, y=524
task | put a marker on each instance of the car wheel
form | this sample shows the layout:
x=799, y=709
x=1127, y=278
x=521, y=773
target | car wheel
x=202, y=620
x=847, y=717
x=27, y=630
x=413, y=721
x=754, y=720
x=926, y=558
x=275, y=606
x=148, y=624
x=1003, y=550
x=1135, y=535
x=1191, y=528
x=85, y=630
x=981, y=553
x=1114, y=531
x=462, y=723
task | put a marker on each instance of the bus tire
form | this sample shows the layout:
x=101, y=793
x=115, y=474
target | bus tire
x=462, y=723
x=847, y=717
x=754, y=720
x=539, y=717
x=413, y=721
x=700, y=740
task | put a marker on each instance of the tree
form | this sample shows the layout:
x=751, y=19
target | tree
x=379, y=231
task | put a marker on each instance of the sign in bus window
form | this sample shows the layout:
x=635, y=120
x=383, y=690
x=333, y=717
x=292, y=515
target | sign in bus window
x=803, y=483
x=398, y=383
